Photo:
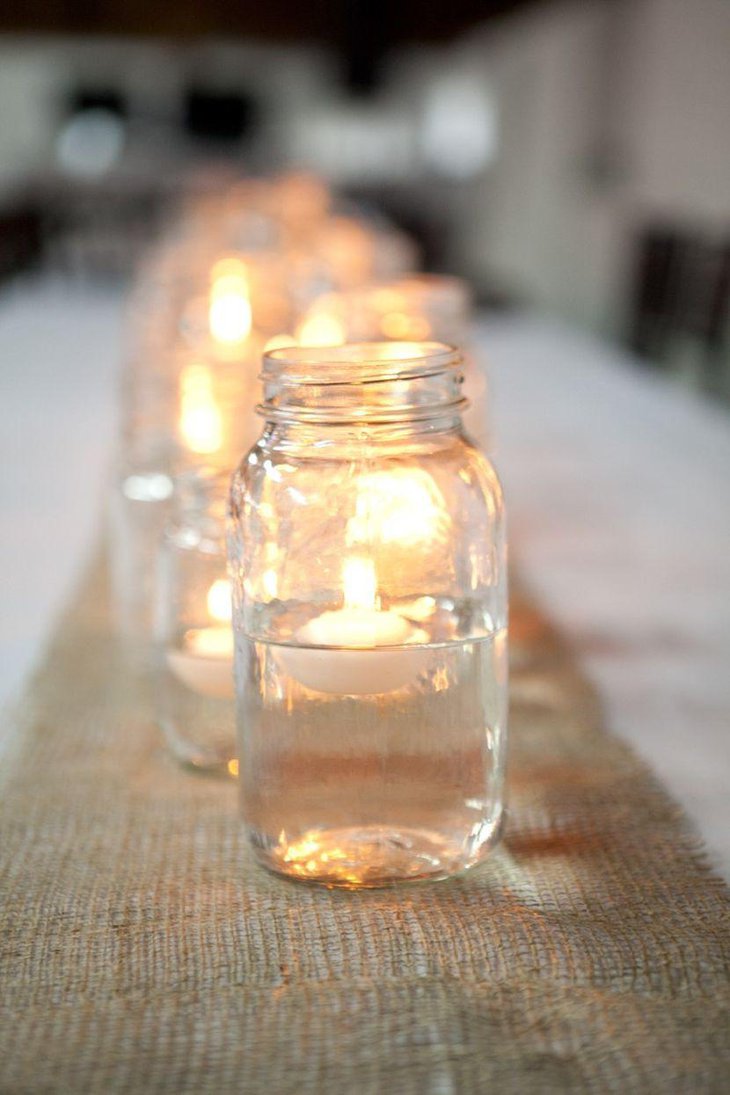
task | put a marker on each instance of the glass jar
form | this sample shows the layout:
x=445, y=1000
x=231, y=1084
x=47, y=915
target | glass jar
x=417, y=306
x=434, y=306
x=214, y=418
x=139, y=505
x=193, y=627
x=367, y=556
x=194, y=342
x=209, y=416
x=413, y=307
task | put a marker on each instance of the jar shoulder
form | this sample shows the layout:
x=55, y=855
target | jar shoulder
x=274, y=469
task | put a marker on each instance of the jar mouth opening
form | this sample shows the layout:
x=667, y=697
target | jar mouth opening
x=358, y=362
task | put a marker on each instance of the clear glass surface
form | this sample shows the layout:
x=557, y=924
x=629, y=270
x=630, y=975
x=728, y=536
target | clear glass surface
x=140, y=502
x=367, y=557
x=196, y=330
x=415, y=306
x=194, y=688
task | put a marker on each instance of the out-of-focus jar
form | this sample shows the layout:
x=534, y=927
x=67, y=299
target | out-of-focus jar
x=411, y=308
x=193, y=627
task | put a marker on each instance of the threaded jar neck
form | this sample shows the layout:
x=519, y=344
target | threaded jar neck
x=363, y=383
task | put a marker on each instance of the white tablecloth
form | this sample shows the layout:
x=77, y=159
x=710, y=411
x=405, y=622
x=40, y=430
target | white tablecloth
x=618, y=493
x=59, y=358
x=618, y=488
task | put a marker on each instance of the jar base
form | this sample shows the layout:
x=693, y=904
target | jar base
x=369, y=857
x=208, y=761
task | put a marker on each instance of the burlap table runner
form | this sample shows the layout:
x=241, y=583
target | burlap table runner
x=142, y=951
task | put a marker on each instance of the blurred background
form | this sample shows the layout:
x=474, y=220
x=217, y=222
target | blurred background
x=570, y=157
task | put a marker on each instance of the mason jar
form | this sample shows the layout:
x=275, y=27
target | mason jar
x=138, y=507
x=196, y=331
x=413, y=307
x=367, y=559
x=194, y=640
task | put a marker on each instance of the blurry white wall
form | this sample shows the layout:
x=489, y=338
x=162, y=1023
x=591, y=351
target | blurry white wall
x=27, y=89
x=542, y=226
x=610, y=114
x=677, y=111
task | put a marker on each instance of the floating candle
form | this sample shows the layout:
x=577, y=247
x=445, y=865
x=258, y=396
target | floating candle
x=205, y=661
x=359, y=649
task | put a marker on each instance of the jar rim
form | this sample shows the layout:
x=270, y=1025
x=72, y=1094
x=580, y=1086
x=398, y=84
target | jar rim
x=358, y=362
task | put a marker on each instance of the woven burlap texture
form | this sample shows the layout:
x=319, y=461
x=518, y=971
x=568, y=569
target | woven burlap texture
x=143, y=951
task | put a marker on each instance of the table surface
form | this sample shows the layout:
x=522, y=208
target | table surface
x=618, y=492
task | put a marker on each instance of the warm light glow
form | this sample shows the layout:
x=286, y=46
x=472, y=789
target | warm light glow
x=270, y=582
x=301, y=849
x=348, y=247
x=387, y=299
x=402, y=351
x=321, y=330
x=311, y=854
x=201, y=421
x=359, y=583
x=402, y=506
x=229, y=309
x=395, y=325
x=280, y=342
x=441, y=679
x=404, y=325
x=232, y=767
x=420, y=609
x=219, y=601
x=302, y=198
x=317, y=855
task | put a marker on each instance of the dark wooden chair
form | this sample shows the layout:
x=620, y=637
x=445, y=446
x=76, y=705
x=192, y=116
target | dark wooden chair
x=20, y=238
x=681, y=301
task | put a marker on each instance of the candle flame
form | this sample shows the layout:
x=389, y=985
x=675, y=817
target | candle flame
x=359, y=583
x=229, y=309
x=201, y=421
x=220, y=604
